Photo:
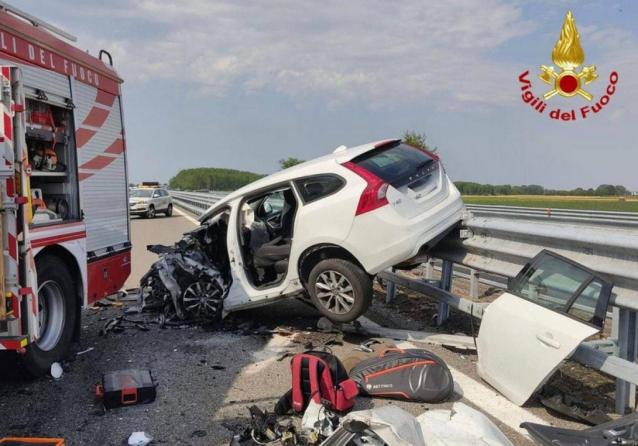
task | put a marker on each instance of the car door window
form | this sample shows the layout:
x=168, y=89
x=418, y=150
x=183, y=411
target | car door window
x=561, y=285
x=320, y=186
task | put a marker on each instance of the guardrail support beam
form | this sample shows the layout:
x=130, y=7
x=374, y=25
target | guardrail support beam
x=391, y=290
x=443, y=310
x=474, y=284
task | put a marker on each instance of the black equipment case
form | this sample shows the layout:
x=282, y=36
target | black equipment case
x=127, y=387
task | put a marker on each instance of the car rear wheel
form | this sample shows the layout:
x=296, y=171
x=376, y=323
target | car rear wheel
x=169, y=210
x=340, y=290
x=56, y=316
x=151, y=212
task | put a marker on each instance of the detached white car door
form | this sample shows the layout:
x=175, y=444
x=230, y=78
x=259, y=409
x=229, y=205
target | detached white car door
x=553, y=305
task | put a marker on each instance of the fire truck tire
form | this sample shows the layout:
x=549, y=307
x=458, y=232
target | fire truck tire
x=57, y=305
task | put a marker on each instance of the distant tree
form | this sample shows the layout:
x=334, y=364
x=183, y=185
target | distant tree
x=417, y=139
x=211, y=178
x=606, y=190
x=289, y=162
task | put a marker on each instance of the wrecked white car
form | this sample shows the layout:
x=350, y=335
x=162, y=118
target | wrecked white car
x=552, y=306
x=322, y=228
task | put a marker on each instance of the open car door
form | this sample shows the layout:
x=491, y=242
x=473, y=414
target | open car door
x=552, y=306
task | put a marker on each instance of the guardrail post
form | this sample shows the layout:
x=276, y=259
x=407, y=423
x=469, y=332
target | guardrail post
x=443, y=310
x=626, y=392
x=391, y=290
x=474, y=284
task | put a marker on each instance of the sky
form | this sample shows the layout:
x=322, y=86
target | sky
x=242, y=84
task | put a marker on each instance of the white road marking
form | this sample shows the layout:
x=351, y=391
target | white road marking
x=489, y=400
x=186, y=216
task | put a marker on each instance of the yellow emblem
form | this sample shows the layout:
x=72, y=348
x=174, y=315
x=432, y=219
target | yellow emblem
x=568, y=55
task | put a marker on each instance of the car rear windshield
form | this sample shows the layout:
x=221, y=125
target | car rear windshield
x=397, y=165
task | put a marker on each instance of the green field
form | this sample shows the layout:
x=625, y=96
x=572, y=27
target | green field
x=558, y=202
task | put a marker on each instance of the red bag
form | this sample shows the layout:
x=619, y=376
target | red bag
x=321, y=377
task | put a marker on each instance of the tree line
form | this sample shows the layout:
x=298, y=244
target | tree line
x=212, y=178
x=605, y=190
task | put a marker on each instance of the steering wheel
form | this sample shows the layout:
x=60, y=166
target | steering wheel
x=274, y=222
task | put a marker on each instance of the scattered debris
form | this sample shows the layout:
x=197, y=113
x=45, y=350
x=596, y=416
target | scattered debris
x=265, y=428
x=90, y=349
x=56, y=370
x=558, y=403
x=191, y=279
x=139, y=439
x=365, y=325
x=623, y=431
x=320, y=420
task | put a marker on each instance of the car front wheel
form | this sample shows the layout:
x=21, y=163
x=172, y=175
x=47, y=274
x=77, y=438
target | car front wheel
x=340, y=289
x=151, y=212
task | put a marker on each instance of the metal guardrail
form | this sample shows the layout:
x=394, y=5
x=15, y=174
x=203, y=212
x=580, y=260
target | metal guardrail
x=196, y=202
x=500, y=240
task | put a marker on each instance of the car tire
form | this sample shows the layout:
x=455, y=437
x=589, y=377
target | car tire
x=340, y=289
x=151, y=212
x=57, y=303
x=169, y=210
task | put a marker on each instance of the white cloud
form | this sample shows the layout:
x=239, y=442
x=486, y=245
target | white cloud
x=377, y=51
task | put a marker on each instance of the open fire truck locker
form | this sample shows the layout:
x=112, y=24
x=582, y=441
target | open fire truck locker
x=63, y=189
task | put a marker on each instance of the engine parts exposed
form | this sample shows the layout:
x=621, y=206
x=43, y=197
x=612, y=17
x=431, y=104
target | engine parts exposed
x=191, y=279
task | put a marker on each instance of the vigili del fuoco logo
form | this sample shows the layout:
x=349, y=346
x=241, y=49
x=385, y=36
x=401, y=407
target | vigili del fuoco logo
x=569, y=80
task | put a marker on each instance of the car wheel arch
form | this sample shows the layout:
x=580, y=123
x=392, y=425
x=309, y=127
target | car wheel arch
x=315, y=254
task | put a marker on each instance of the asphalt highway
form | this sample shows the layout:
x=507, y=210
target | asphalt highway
x=206, y=377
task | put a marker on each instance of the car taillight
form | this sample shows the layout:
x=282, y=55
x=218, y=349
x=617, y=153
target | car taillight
x=373, y=196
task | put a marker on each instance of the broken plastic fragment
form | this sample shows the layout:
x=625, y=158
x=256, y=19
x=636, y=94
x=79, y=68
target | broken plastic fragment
x=139, y=439
x=56, y=370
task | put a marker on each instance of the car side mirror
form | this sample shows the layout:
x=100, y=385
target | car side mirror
x=267, y=208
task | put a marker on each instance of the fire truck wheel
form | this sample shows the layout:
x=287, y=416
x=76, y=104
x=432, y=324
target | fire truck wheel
x=151, y=212
x=57, y=313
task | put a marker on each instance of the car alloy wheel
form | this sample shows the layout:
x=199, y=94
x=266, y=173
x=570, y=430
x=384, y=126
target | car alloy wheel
x=202, y=299
x=334, y=292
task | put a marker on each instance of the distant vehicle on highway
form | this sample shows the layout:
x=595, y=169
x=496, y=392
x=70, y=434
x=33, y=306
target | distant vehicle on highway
x=327, y=226
x=149, y=201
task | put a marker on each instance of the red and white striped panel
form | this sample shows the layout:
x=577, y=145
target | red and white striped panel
x=102, y=167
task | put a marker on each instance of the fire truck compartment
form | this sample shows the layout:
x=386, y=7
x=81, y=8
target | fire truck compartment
x=51, y=145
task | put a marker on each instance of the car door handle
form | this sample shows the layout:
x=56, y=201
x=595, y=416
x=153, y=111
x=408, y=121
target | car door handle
x=548, y=340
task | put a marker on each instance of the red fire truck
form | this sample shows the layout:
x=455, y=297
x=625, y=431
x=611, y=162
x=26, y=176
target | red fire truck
x=63, y=188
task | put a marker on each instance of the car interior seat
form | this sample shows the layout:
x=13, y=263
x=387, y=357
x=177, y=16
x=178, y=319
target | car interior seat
x=276, y=252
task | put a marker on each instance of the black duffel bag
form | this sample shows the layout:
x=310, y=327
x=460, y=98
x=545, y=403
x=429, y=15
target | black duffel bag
x=411, y=375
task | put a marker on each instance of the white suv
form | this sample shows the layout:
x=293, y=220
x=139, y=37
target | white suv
x=327, y=226
x=148, y=201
